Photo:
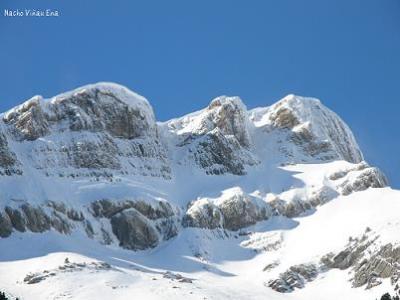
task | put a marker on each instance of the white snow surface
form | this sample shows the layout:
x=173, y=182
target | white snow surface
x=228, y=268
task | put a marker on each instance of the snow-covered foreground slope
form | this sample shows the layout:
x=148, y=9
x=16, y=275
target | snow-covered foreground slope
x=98, y=200
x=219, y=265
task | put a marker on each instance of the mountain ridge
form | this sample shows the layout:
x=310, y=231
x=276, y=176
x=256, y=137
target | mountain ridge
x=93, y=164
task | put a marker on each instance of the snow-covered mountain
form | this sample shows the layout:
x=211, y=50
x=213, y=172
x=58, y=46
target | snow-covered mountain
x=99, y=200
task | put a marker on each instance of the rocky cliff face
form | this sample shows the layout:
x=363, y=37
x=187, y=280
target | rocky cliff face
x=97, y=108
x=308, y=128
x=217, y=138
x=9, y=165
x=96, y=127
x=95, y=160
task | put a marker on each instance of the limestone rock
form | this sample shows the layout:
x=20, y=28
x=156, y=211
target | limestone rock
x=316, y=132
x=5, y=225
x=240, y=211
x=369, y=261
x=36, y=219
x=217, y=138
x=233, y=211
x=229, y=115
x=99, y=107
x=9, y=164
x=369, y=177
x=107, y=208
x=218, y=154
x=297, y=206
x=383, y=264
x=16, y=218
x=203, y=214
x=131, y=221
x=7, y=158
x=29, y=119
x=97, y=127
x=133, y=230
x=59, y=223
x=295, y=277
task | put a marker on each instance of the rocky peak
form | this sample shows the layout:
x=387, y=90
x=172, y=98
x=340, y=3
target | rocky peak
x=100, y=127
x=216, y=138
x=229, y=114
x=292, y=111
x=314, y=128
x=96, y=108
x=28, y=119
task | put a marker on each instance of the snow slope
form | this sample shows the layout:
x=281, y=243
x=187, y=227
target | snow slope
x=221, y=266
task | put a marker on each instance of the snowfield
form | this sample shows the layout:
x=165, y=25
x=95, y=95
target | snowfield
x=227, y=269
x=99, y=201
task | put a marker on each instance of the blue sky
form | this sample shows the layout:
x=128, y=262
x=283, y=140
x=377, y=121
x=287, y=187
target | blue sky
x=181, y=54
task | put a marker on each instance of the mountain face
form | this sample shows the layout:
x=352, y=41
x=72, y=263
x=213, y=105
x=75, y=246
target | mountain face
x=94, y=165
x=100, y=127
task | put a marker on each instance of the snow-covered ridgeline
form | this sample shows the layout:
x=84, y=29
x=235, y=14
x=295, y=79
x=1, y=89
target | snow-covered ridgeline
x=92, y=171
x=101, y=142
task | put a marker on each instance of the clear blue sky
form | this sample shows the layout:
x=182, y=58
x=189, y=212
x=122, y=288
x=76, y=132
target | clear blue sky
x=181, y=54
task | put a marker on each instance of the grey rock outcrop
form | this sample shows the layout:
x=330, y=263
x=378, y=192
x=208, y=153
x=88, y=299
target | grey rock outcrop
x=232, y=213
x=60, y=223
x=290, y=209
x=107, y=208
x=220, y=141
x=203, y=214
x=5, y=225
x=133, y=230
x=369, y=177
x=295, y=277
x=17, y=218
x=298, y=206
x=322, y=195
x=229, y=115
x=385, y=263
x=99, y=154
x=369, y=261
x=9, y=164
x=350, y=255
x=240, y=211
x=37, y=219
x=92, y=108
x=219, y=154
x=7, y=158
x=137, y=224
x=29, y=120
x=317, y=131
x=342, y=173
